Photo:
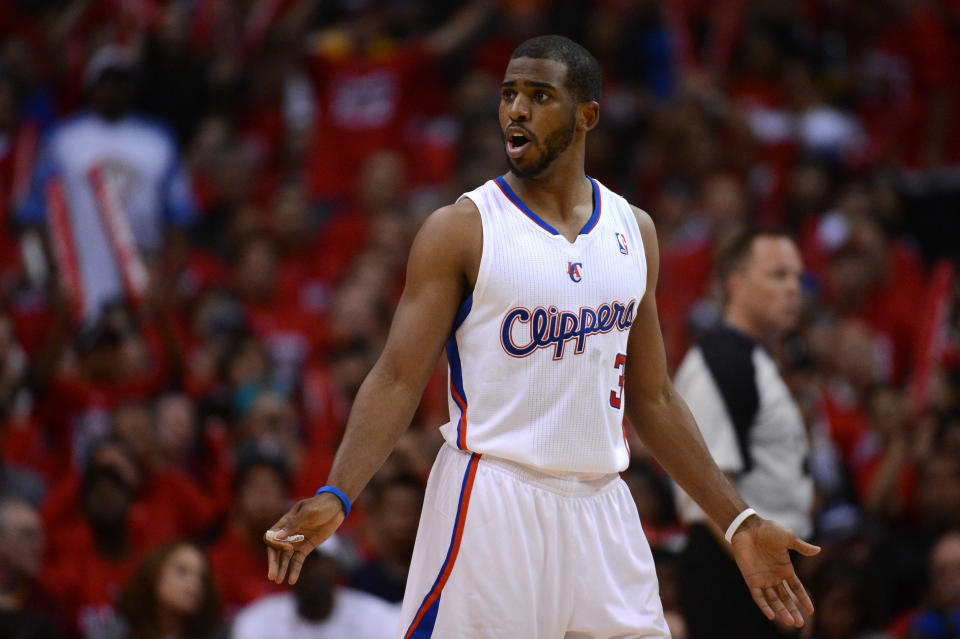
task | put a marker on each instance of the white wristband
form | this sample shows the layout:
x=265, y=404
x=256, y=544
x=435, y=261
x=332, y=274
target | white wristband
x=735, y=524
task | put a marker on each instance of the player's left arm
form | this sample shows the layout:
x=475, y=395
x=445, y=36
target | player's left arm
x=667, y=428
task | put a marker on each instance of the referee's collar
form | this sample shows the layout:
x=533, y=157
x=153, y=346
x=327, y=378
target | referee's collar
x=733, y=331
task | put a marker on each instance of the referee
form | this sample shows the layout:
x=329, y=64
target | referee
x=751, y=425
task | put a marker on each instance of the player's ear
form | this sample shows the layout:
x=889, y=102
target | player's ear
x=588, y=115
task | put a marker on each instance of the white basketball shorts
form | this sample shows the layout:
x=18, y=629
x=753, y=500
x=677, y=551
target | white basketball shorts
x=506, y=552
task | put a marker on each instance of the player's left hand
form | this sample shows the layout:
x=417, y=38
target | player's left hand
x=760, y=548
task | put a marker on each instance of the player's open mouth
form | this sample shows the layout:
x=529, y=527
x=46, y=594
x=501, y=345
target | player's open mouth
x=517, y=143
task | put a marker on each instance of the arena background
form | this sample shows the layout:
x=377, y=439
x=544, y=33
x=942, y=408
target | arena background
x=314, y=137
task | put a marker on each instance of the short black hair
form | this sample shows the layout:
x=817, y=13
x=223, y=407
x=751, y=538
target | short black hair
x=95, y=474
x=379, y=486
x=584, y=75
x=737, y=250
x=255, y=454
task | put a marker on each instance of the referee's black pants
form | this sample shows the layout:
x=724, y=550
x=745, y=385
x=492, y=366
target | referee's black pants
x=714, y=598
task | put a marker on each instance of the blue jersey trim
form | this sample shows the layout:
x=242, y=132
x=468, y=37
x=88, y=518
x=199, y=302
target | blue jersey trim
x=595, y=216
x=513, y=197
x=456, y=390
x=517, y=202
x=462, y=313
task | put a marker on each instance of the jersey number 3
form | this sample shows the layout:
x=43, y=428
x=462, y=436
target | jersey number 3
x=616, y=396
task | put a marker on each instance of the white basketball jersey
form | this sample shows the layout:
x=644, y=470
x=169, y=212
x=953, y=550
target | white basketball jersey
x=538, y=351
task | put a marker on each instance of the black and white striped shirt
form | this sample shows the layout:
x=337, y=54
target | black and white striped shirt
x=751, y=424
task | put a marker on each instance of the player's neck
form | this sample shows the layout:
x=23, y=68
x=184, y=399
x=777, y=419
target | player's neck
x=557, y=191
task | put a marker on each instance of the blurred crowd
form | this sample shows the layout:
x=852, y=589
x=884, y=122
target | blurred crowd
x=205, y=212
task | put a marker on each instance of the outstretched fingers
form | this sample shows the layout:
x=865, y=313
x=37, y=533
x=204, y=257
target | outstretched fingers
x=761, y=601
x=779, y=607
x=800, y=593
x=790, y=602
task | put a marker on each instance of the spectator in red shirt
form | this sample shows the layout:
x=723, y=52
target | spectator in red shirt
x=373, y=98
x=291, y=336
x=177, y=431
x=261, y=492
x=187, y=450
x=690, y=235
x=113, y=361
x=90, y=558
x=343, y=237
x=849, y=350
x=704, y=33
x=903, y=84
x=304, y=278
x=166, y=504
x=867, y=276
x=883, y=467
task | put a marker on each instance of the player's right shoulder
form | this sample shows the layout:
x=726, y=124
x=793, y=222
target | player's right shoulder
x=452, y=235
x=457, y=225
x=463, y=213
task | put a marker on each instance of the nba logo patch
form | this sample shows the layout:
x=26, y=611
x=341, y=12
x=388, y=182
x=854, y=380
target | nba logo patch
x=622, y=243
x=573, y=270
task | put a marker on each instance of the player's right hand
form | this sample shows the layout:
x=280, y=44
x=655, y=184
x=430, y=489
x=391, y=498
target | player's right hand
x=316, y=519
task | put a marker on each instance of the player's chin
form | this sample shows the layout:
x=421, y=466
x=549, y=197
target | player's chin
x=524, y=166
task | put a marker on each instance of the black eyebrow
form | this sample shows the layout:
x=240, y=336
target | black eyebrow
x=531, y=83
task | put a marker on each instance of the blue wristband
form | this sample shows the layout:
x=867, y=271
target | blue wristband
x=336, y=492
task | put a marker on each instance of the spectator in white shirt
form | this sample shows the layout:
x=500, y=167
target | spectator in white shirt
x=318, y=609
x=111, y=190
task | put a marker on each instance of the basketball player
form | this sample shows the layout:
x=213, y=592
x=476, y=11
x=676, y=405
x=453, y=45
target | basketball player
x=540, y=284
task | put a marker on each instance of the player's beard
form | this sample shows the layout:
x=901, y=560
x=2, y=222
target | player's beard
x=555, y=143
